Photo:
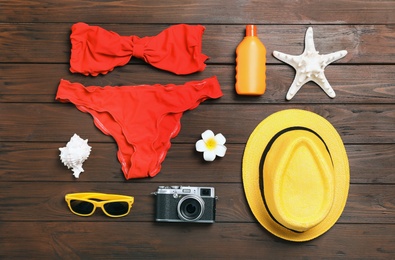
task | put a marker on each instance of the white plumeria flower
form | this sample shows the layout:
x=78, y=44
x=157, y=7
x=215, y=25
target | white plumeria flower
x=211, y=145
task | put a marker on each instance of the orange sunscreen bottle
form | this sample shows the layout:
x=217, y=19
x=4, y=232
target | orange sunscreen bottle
x=250, y=64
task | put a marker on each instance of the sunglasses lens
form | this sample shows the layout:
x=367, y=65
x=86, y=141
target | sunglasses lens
x=81, y=207
x=116, y=208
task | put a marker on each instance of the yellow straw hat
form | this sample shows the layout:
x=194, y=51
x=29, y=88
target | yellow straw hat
x=296, y=174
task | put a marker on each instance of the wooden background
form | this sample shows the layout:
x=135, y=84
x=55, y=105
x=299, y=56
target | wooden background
x=35, y=222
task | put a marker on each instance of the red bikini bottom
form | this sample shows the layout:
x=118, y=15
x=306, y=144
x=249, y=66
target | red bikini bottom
x=142, y=119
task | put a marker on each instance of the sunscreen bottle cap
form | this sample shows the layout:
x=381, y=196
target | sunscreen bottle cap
x=251, y=30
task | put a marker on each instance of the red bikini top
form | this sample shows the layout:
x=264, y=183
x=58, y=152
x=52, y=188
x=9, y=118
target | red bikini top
x=176, y=49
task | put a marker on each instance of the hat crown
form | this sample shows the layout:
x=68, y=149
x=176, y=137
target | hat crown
x=298, y=180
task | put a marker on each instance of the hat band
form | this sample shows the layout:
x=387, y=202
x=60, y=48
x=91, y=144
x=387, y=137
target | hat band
x=262, y=162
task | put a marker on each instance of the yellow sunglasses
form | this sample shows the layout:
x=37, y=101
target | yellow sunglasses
x=84, y=204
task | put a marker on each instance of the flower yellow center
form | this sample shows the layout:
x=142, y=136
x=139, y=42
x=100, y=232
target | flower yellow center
x=211, y=144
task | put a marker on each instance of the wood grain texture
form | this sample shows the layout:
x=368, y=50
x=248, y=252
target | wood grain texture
x=49, y=42
x=368, y=84
x=35, y=222
x=39, y=161
x=73, y=240
x=202, y=11
x=366, y=203
x=57, y=122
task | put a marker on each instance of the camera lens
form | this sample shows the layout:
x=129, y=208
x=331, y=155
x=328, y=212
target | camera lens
x=190, y=208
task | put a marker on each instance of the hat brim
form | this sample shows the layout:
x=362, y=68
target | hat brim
x=255, y=147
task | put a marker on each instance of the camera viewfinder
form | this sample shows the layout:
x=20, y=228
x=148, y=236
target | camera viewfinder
x=205, y=192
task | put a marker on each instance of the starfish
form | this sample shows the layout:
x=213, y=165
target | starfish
x=310, y=66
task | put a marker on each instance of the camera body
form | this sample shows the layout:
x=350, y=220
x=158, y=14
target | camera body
x=185, y=204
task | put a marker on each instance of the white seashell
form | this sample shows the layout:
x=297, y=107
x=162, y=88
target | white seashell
x=74, y=154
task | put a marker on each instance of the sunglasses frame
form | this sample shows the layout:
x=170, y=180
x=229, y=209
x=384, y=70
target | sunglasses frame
x=104, y=198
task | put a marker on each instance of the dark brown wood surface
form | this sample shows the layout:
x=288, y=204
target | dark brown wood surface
x=35, y=222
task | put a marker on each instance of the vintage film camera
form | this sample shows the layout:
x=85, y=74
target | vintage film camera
x=185, y=204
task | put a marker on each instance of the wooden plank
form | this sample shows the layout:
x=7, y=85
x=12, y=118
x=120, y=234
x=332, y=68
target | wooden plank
x=133, y=11
x=365, y=204
x=113, y=239
x=364, y=43
x=35, y=222
x=352, y=84
x=58, y=122
x=40, y=162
